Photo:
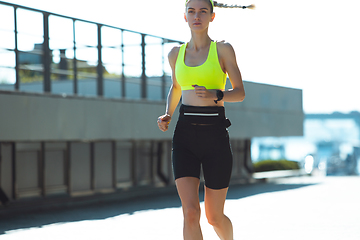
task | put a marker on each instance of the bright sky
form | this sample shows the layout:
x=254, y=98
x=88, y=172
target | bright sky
x=312, y=45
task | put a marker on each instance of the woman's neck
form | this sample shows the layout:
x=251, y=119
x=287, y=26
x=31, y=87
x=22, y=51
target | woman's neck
x=199, y=41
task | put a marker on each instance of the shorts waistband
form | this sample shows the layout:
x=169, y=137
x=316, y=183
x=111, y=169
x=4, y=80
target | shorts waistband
x=203, y=115
x=202, y=111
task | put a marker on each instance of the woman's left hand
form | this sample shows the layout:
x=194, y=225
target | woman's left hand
x=202, y=92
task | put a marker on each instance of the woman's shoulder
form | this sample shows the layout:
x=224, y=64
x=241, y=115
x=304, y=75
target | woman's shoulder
x=224, y=47
x=174, y=52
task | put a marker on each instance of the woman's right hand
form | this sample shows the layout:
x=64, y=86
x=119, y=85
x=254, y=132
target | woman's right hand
x=163, y=122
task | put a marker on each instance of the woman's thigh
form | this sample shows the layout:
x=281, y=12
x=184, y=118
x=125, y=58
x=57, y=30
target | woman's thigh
x=188, y=190
x=214, y=202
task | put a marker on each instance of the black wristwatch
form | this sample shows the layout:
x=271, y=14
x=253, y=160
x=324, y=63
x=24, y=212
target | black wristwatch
x=219, y=95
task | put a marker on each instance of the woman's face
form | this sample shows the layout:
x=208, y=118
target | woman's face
x=198, y=14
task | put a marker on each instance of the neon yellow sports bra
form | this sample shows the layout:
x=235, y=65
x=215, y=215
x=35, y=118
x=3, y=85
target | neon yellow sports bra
x=209, y=74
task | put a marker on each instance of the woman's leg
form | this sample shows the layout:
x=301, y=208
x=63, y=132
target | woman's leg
x=188, y=190
x=214, y=209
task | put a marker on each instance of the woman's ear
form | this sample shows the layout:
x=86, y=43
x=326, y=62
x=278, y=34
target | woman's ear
x=212, y=16
x=185, y=17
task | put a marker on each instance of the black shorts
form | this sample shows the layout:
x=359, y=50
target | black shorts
x=201, y=139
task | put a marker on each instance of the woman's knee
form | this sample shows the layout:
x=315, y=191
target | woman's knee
x=215, y=219
x=192, y=214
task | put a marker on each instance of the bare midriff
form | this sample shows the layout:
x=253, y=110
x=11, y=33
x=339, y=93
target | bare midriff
x=190, y=98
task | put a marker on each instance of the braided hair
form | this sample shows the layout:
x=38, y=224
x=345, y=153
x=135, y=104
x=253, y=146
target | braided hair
x=224, y=5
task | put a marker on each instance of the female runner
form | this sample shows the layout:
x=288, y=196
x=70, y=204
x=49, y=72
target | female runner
x=199, y=70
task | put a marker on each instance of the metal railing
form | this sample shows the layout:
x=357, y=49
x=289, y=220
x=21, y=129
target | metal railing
x=47, y=52
x=43, y=171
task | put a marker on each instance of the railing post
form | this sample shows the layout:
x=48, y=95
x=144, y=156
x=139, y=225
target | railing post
x=100, y=72
x=133, y=167
x=113, y=164
x=123, y=78
x=76, y=91
x=92, y=166
x=46, y=54
x=159, y=165
x=17, y=75
x=247, y=156
x=41, y=169
x=143, y=75
x=68, y=168
x=13, y=169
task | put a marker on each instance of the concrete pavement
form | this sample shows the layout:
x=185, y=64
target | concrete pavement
x=319, y=208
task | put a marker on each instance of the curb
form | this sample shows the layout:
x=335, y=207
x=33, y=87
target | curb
x=278, y=174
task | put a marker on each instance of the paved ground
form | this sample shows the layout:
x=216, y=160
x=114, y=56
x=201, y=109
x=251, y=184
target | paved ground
x=319, y=208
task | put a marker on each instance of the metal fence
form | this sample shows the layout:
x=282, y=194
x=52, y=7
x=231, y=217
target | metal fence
x=47, y=52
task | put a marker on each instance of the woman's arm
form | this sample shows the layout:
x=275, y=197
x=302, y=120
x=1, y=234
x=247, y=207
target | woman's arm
x=228, y=59
x=174, y=93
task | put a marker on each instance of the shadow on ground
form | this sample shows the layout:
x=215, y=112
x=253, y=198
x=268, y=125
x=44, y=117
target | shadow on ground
x=107, y=209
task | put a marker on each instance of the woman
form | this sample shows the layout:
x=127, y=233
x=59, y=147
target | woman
x=199, y=70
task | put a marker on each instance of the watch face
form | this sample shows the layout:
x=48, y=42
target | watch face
x=219, y=94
